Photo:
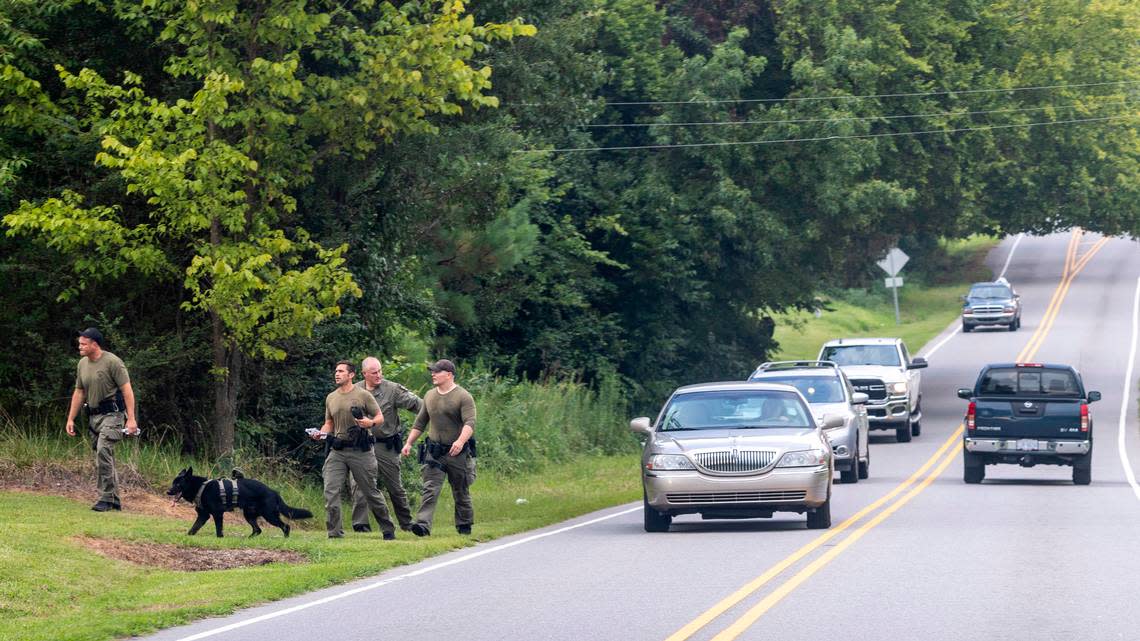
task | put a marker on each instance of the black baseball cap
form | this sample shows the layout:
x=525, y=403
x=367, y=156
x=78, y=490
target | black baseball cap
x=93, y=334
x=442, y=365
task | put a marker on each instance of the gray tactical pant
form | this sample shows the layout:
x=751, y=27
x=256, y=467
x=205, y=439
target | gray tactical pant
x=459, y=471
x=109, y=426
x=362, y=467
x=388, y=464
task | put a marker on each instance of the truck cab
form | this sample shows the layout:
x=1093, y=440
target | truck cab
x=1028, y=414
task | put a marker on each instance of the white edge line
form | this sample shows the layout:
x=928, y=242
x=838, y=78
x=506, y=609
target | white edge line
x=942, y=342
x=408, y=575
x=1010, y=257
x=1124, y=401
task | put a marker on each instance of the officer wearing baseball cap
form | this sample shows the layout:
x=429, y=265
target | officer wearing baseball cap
x=103, y=386
x=448, y=454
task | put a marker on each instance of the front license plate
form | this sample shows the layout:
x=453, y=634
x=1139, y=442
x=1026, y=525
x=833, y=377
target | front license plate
x=1027, y=444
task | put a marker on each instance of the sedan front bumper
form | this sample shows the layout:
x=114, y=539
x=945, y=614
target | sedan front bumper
x=792, y=489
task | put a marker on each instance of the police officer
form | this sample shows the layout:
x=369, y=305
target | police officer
x=390, y=396
x=102, y=382
x=447, y=455
x=350, y=413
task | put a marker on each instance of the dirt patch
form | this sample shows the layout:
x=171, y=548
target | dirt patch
x=79, y=484
x=184, y=558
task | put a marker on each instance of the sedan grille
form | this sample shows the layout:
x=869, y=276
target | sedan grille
x=735, y=460
x=708, y=498
x=872, y=387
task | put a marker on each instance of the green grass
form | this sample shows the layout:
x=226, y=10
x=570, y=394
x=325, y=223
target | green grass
x=924, y=310
x=53, y=588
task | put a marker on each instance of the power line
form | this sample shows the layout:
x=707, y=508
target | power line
x=826, y=138
x=857, y=97
x=953, y=114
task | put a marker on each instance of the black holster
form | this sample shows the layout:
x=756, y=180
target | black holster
x=393, y=442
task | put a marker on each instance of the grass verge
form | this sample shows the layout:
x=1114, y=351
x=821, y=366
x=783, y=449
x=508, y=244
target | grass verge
x=53, y=587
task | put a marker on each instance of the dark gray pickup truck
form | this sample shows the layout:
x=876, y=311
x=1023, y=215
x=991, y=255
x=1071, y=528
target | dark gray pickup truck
x=1028, y=414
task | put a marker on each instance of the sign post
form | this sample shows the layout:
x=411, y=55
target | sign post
x=893, y=264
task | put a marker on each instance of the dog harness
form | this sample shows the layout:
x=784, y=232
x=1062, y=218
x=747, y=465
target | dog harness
x=227, y=490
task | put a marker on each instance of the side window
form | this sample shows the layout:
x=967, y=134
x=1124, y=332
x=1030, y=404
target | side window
x=905, y=355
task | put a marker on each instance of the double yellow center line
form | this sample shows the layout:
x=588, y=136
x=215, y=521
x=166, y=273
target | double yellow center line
x=932, y=468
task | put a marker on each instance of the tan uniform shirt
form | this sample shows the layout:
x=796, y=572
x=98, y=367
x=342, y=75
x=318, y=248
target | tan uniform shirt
x=391, y=397
x=338, y=407
x=100, y=379
x=448, y=414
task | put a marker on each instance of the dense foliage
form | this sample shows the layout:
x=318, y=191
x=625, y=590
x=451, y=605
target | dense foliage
x=610, y=191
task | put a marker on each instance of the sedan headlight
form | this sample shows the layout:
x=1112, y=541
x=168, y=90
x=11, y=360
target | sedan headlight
x=898, y=388
x=668, y=462
x=804, y=458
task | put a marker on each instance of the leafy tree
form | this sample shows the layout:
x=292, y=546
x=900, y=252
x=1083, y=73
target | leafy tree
x=277, y=88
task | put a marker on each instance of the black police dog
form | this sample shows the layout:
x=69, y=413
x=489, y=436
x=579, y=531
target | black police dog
x=254, y=499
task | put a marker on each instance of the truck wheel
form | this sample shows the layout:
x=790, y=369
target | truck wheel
x=865, y=467
x=654, y=520
x=820, y=519
x=966, y=329
x=1082, y=471
x=902, y=434
x=974, y=470
x=851, y=475
x=1013, y=326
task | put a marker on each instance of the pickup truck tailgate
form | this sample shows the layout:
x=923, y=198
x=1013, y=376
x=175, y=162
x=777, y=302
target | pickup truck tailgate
x=1042, y=418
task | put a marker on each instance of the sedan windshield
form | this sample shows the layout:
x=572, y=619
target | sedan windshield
x=743, y=409
x=861, y=355
x=816, y=389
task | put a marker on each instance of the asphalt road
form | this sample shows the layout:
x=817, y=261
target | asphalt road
x=913, y=552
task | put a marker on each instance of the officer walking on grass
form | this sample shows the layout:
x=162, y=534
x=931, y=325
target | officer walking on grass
x=390, y=396
x=350, y=414
x=102, y=382
x=448, y=452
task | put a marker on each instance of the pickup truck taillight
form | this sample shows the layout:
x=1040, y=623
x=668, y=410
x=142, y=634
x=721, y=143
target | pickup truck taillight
x=1084, y=417
x=971, y=411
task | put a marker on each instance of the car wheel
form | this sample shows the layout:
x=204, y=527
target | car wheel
x=974, y=470
x=851, y=475
x=654, y=520
x=902, y=434
x=820, y=519
x=1082, y=471
x=865, y=467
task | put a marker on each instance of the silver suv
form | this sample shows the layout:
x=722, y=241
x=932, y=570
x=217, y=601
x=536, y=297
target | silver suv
x=736, y=450
x=826, y=388
x=882, y=369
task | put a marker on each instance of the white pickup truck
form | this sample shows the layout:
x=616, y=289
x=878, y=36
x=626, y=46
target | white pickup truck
x=882, y=369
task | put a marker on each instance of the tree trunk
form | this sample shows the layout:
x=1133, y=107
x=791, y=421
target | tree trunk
x=227, y=379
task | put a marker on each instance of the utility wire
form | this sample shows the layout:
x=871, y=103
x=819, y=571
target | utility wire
x=857, y=97
x=825, y=138
x=952, y=114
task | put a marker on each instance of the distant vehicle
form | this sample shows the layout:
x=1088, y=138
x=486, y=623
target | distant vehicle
x=882, y=369
x=991, y=304
x=1028, y=414
x=734, y=451
x=825, y=387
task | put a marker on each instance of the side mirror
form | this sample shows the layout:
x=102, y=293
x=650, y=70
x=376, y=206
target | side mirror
x=963, y=297
x=1094, y=397
x=640, y=425
x=965, y=393
x=918, y=363
x=831, y=421
x=859, y=398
